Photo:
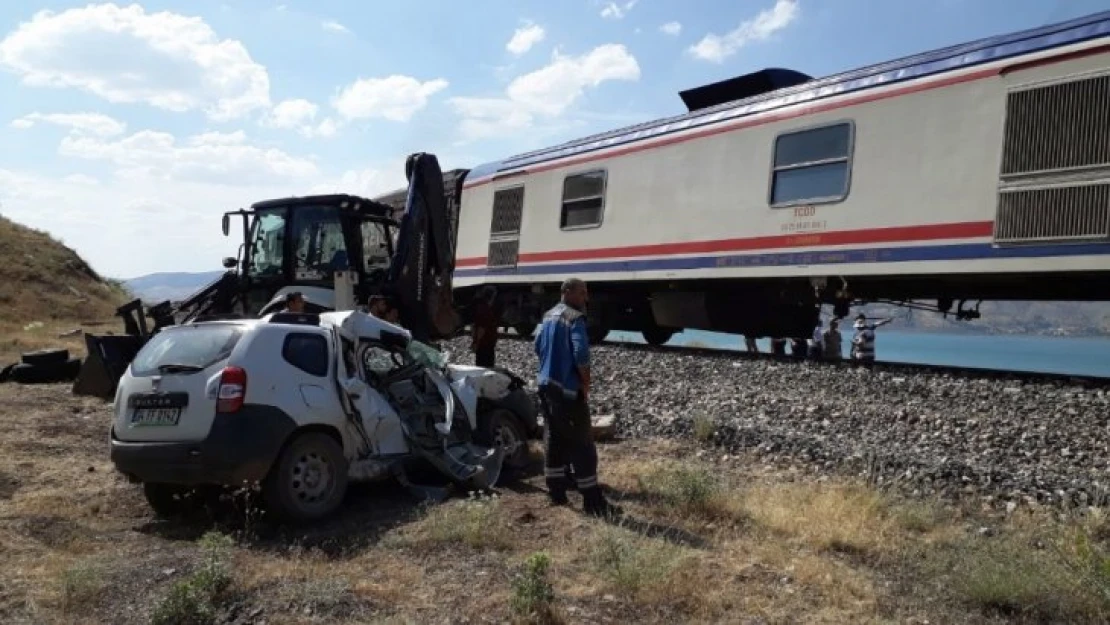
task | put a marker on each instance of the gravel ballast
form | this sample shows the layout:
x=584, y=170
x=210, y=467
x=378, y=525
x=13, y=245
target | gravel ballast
x=955, y=435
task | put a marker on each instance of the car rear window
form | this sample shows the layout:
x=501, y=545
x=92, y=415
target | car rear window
x=191, y=346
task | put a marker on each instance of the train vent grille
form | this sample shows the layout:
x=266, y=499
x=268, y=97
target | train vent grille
x=1073, y=213
x=503, y=253
x=508, y=207
x=1057, y=127
x=504, y=229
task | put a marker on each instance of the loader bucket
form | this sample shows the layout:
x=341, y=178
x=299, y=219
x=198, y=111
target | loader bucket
x=108, y=357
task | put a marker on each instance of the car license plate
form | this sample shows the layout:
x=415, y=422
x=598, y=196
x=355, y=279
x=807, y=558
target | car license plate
x=155, y=416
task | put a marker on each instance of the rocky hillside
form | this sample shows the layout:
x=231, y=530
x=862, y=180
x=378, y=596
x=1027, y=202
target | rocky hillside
x=46, y=289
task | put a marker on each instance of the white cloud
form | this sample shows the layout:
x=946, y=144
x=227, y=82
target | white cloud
x=671, y=28
x=524, y=38
x=81, y=179
x=215, y=158
x=300, y=115
x=292, y=113
x=716, y=48
x=553, y=88
x=126, y=55
x=367, y=182
x=334, y=26
x=547, y=92
x=395, y=98
x=85, y=123
x=615, y=11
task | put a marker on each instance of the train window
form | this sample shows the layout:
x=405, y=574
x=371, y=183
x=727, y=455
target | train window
x=812, y=166
x=583, y=200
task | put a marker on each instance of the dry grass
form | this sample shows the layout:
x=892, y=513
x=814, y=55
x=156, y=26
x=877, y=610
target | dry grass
x=701, y=541
x=46, y=289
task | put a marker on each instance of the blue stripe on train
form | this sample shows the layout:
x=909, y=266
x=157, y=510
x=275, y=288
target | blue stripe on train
x=969, y=251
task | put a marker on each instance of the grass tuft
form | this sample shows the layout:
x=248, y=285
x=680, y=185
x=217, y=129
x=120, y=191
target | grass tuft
x=476, y=523
x=689, y=490
x=532, y=593
x=79, y=585
x=705, y=427
x=195, y=600
x=1017, y=575
x=634, y=563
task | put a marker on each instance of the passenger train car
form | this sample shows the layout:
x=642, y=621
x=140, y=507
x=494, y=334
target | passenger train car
x=978, y=171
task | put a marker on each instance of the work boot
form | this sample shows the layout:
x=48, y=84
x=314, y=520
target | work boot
x=557, y=497
x=595, y=504
x=557, y=490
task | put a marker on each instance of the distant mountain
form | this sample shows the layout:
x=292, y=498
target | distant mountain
x=158, y=287
x=1038, y=318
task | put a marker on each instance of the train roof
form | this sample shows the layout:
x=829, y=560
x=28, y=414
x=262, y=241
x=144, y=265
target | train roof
x=907, y=68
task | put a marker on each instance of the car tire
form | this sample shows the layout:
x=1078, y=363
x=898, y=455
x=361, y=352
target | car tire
x=309, y=480
x=501, y=426
x=166, y=500
x=50, y=373
x=45, y=357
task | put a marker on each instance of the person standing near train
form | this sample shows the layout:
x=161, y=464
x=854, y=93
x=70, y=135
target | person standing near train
x=486, y=320
x=831, y=342
x=863, y=344
x=563, y=350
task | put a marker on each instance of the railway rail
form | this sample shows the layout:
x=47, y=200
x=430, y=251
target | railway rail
x=1002, y=375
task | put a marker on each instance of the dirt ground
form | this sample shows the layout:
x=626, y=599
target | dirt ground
x=704, y=539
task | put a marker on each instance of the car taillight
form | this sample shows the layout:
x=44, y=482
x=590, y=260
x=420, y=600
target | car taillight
x=233, y=388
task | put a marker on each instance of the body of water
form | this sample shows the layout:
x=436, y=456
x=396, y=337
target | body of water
x=1074, y=356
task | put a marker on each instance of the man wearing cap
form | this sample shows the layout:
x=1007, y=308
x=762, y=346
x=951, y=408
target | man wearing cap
x=381, y=306
x=564, y=386
x=294, y=302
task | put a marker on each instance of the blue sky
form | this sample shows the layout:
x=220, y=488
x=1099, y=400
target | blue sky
x=127, y=129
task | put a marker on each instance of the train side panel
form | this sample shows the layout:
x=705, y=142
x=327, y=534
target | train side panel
x=919, y=206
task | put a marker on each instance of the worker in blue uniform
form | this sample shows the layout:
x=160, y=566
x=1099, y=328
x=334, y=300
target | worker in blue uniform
x=563, y=350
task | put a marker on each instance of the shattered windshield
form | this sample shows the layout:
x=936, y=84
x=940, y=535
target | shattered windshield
x=267, y=240
x=375, y=245
x=318, y=242
x=426, y=355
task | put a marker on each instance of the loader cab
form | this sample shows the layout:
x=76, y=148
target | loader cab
x=303, y=241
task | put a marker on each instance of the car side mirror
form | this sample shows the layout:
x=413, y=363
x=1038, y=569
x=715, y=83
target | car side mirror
x=225, y=224
x=230, y=262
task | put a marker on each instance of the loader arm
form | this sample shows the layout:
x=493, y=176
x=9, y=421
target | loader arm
x=423, y=263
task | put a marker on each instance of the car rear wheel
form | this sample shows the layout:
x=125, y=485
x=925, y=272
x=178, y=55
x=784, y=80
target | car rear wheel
x=309, y=480
x=167, y=500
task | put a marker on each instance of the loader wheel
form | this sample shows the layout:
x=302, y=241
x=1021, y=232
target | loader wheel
x=309, y=480
x=167, y=500
x=64, y=371
x=45, y=357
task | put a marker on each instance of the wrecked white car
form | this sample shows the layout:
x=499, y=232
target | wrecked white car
x=301, y=404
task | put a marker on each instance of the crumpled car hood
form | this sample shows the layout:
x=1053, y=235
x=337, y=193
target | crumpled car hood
x=471, y=383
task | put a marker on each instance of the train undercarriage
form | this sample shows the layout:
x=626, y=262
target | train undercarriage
x=780, y=308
